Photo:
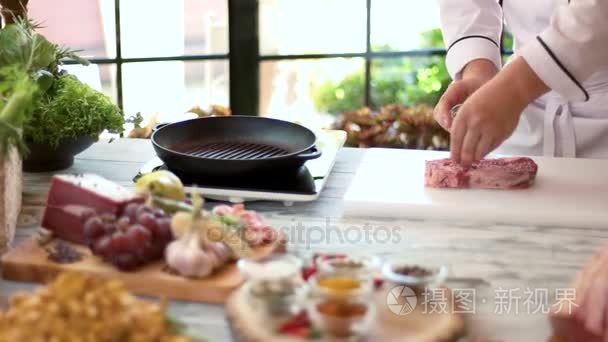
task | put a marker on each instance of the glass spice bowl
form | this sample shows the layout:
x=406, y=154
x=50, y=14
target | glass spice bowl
x=340, y=305
x=274, y=283
x=418, y=278
x=340, y=286
x=360, y=267
x=341, y=318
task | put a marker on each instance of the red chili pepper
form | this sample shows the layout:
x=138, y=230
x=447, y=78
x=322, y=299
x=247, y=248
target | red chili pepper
x=298, y=321
x=303, y=332
x=378, y=281
x=308, y=272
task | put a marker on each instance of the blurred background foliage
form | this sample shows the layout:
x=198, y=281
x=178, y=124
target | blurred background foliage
x=406, y=81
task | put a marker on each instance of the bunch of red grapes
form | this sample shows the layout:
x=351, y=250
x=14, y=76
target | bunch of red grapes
x=137, y=237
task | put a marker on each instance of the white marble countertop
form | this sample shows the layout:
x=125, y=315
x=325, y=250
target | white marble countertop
x=510, y=268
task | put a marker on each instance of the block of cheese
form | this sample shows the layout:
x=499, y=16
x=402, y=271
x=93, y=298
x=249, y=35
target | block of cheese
x=72, y=197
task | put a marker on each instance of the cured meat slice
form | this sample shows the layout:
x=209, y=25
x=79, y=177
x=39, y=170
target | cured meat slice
x=89, y=190
x=502, y=173
x=67, y=221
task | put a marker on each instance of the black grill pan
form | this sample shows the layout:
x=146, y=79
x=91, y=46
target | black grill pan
x=234, y=145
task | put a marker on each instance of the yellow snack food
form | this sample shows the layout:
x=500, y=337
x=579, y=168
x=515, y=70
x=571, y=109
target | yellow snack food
x=77, y=308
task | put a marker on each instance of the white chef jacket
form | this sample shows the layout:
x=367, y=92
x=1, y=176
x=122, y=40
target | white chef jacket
x=565, y=42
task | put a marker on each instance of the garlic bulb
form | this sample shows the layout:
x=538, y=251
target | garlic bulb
x=187, y=258
x=181, y=223
x=219, y=251
x=185, y=254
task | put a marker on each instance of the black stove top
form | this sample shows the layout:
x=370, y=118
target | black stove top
x=299, y=181
x=297, y=185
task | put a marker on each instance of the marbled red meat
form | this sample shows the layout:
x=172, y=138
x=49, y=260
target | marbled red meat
x=502, y=173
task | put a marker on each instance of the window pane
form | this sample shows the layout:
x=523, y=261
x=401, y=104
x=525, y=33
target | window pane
x=172, y=88
x=312, y=26
x=86, y=25
x=409, y=81
x=306, y=90
x=400, y=24
x=152, y=28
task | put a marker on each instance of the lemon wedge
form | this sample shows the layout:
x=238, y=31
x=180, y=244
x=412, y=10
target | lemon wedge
x=161, y=183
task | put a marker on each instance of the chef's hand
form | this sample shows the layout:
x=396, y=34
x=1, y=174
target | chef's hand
x=592, y=295
x=586, y=319
x=474, y=75
x=489, y=116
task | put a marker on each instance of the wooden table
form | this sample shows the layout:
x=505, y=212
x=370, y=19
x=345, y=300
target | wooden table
x=491, y=259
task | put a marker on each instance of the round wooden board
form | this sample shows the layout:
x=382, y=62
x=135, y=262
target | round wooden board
x=251, y=324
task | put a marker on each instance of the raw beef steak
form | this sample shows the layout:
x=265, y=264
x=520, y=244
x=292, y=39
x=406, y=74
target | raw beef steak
x=503, y=173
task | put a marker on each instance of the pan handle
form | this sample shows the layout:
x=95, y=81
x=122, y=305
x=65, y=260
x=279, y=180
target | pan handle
x=159, y=126
x=312, y=153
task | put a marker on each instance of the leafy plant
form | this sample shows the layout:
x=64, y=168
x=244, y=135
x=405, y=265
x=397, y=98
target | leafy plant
x=20, y=45
x=71, y=109
x=17, y=94
x=341, y=97
x=66, y=107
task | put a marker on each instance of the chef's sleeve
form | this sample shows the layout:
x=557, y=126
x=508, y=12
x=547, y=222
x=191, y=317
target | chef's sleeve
x=471, y=30
x=571, y=48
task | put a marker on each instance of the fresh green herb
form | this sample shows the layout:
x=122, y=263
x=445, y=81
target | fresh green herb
x=136, y=120
x=230, y=221
x=17, y=97
x=62, y=53
x=315, y=334
x=180, y=329
x=72, y=109
x=20, y=45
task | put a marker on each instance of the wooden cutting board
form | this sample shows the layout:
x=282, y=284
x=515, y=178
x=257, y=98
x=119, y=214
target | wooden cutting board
x=567, y=192
x=423, y=324
x=28, y=261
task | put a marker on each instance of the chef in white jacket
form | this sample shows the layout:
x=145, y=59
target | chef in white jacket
x=551, y=98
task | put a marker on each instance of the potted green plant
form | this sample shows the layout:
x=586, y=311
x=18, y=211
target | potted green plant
x=68, y=118
x=68, y=115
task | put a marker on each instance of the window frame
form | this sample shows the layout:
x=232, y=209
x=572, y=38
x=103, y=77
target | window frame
x=244, y=56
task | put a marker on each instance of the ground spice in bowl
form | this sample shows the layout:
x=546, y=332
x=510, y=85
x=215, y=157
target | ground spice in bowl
x=417, y=278
x=342, y=309
x=342, y=318
x=339, y=283
x=412, y=271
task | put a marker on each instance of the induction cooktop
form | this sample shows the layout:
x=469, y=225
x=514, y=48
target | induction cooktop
x=303, y=184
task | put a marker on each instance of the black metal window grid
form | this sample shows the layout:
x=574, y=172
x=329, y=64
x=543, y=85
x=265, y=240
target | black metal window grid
x=244, y=56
